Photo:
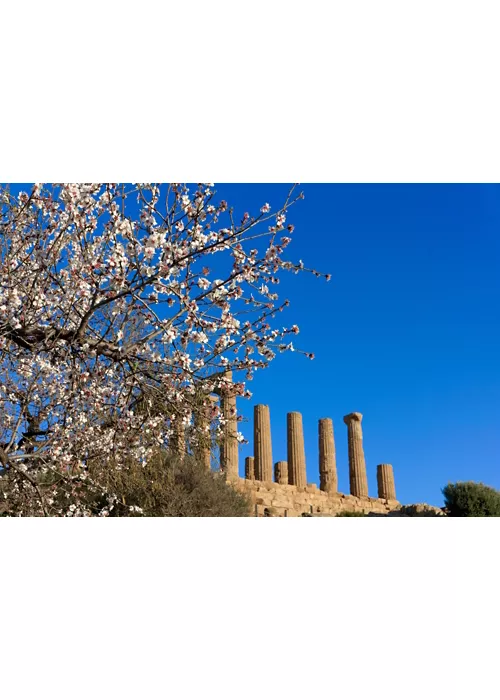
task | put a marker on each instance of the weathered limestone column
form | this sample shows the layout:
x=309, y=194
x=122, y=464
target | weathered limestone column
x=357, y=468
x=229, y=447
x=250, y=468
x=178, y=439
x=385, y=482
x=202, y=421
x=262, y=449
x=295, y=449
x=327, y=464
x=281, y=472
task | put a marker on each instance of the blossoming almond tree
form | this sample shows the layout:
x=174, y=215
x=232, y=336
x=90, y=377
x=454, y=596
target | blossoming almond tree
x=115, y=299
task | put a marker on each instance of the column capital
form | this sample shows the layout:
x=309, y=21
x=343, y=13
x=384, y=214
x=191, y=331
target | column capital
x=356, y=417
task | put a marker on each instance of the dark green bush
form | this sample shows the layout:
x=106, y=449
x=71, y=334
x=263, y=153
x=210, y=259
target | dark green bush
x=350, y=514
x=469, y=499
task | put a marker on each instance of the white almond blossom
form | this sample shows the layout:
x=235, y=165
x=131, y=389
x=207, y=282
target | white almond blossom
x=108, y=302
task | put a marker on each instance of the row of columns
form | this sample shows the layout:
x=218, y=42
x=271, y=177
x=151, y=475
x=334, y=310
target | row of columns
x=293, y=470
x=202, y=420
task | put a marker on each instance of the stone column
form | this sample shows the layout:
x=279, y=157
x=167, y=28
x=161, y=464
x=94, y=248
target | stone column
x=229, y=447
x=281, y=472
x=327, y=463
x=357, y=467
x=202, y=421
x=385, y=482
x=178, y=438
x=262, y=449
x=250, y=468
x=295, y=449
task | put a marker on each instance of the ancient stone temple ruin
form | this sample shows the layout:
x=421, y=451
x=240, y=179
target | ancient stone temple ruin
x=288, y=494
x=281, y=489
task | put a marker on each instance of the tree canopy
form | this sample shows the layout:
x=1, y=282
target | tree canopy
x=121, y=308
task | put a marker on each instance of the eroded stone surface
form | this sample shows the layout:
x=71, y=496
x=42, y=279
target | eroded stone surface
x=229, y=447
x=250, y=468
x=327, y=463
x=281, y=472
x=358, y=482
x=385, y=481
x=262, y=449
x=293, y=501
x=295, y=450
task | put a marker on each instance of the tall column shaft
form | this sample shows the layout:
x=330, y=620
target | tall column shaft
x=262, y=449
x=250, y=468
x=295, y=450
x=229, y=448
x=327, y=463
x=281, y=472
x=385, y=482
x=202, y=420
x=178, y=439
x=357, y=467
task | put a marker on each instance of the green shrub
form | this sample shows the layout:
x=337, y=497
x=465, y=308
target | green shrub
x=468, y=499
x=350, y=514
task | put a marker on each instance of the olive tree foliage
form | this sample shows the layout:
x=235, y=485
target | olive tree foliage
x=470, y=499
x=118, y=299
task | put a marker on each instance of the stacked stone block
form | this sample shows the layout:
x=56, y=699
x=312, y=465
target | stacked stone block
x=288, y=501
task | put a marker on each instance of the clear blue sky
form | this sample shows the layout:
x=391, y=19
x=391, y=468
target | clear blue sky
x=407, y=332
